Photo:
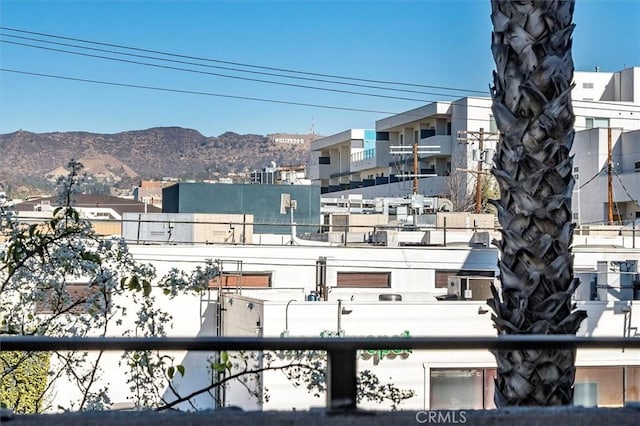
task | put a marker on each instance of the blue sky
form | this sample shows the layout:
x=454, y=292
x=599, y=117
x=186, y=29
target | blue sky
x=424, y=42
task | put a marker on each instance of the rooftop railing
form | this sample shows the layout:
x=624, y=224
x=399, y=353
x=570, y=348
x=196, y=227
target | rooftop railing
x=341, y=352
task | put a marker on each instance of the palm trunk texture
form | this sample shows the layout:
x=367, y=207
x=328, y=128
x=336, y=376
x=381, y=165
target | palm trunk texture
x=531, y=45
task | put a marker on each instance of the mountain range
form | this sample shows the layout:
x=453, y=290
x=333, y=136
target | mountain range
x=122, y=159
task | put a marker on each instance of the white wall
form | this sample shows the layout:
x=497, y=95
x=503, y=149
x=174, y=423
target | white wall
x=590, y=150
x=294, y=277
x=310, y=319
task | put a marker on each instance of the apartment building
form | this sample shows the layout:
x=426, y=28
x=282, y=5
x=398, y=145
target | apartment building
x=447, y=136
x=380, y=162
x=607, y=147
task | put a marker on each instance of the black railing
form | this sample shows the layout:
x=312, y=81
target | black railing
x=341, y=352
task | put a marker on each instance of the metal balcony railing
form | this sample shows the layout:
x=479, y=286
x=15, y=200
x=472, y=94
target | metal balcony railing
x=341, y=352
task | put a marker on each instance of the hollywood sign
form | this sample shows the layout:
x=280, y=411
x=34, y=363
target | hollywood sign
x=290, y=141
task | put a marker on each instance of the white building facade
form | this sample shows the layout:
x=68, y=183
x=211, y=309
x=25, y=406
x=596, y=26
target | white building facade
x=601, y=100
x=403, y=291
x=607, y=108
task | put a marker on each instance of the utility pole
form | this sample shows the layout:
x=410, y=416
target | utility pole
x=479, y=180
x=414, y=150
x=479, y=136
x=609, y=178
x=415, y=167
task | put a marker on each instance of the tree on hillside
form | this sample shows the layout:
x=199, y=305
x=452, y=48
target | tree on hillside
x=531, y=46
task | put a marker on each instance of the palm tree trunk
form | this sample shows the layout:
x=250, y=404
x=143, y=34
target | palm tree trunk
x=531, y=45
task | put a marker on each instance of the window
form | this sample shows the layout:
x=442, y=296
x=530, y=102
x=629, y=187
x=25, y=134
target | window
x=632, y=384
x=244, y=279
x=364, y=279
x=587, y=85
x=456, y=389
x=598, y=387
x=596, y=122
x=576, y=169
x=382, y=136
x=75, y=298
x=489, y=387
x=427, y=133
x=636, y=165
x=442, y=276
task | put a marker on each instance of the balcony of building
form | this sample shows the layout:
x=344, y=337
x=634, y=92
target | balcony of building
x=443, y=143
x=372, y=158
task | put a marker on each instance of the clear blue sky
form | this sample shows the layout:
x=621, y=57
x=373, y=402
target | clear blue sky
x=435, y=43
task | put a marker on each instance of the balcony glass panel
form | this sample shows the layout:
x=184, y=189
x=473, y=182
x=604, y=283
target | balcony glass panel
x=363, y=155
x=456, y=389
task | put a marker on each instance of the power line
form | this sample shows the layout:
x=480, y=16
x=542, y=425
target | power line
x=593, y=107
x=591, y=179
x=194, y=92
x=242, y=64
x=349, y=92
x=220, y=67
x=633, y=200
x=289, y=71
x=191, y=92
x=275, y=82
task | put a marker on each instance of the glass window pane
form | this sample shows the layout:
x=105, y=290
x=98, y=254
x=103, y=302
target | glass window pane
x=456, y=389
x=632, y=385
x=600, y=122
x=589, y=123
x=489, y=387
x=598, y=386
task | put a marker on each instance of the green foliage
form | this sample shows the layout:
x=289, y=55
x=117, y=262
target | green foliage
x=24, y=382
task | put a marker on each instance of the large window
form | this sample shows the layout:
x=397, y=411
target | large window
x=442, y=275
x=74, y=298
x=473, y=388
x=594, y=122
x=598, y=387
x=246, y=279
x=632, y=384
x=457, y=389
x=364, y=279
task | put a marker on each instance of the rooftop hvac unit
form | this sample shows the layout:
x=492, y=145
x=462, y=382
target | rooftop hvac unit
x=469, y=288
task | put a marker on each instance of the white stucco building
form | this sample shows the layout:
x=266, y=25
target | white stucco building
x=354, y=162
x=604, y=100
x=341, y=166
x=385, y=291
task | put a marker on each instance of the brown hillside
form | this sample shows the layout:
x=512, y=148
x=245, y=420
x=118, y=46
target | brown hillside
x=146, y=154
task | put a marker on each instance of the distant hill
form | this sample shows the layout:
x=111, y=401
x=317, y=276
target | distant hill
x=31, y=158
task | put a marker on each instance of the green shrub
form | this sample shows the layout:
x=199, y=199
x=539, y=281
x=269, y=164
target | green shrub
x=23, y=380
